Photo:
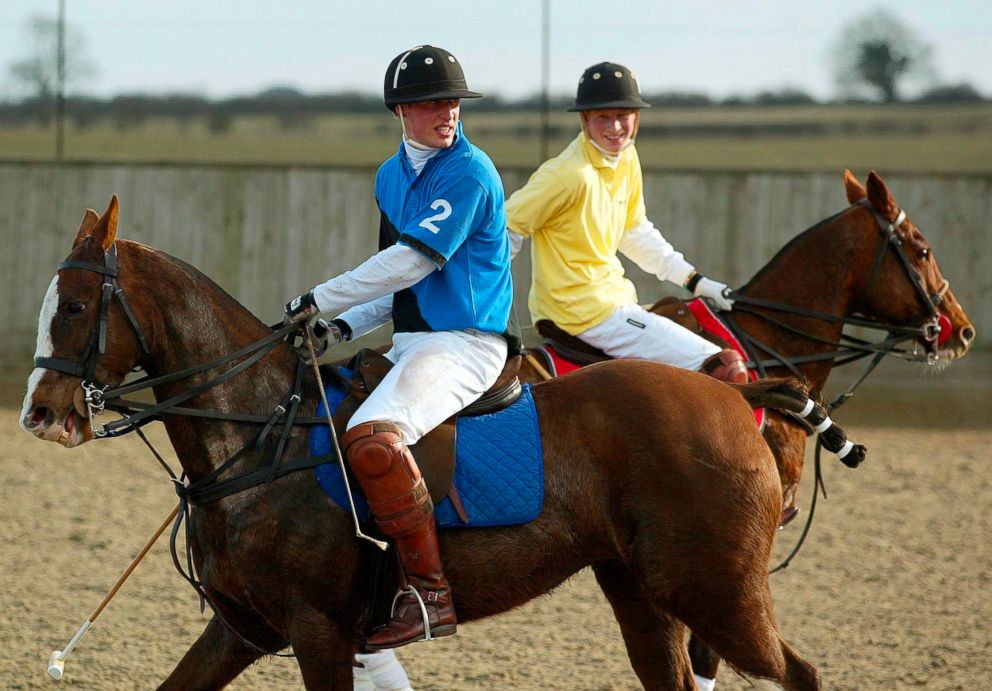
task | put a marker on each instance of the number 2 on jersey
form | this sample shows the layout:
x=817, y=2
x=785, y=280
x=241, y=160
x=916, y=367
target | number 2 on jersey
x=445, y=211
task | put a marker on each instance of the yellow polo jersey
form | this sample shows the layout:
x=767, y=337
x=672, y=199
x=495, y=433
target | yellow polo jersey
x=575, y=207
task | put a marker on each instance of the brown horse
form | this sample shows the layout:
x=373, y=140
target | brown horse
x=633, y=451
x=867, y=265
x=850, y=268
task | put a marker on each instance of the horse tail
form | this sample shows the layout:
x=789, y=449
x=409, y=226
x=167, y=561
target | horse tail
x=790, y=395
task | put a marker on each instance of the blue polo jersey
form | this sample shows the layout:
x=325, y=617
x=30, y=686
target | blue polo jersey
x=453, y=214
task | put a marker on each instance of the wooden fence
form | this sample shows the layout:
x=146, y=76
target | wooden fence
x=268, y=233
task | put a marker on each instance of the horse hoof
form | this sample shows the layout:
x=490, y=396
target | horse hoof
x=788, y=514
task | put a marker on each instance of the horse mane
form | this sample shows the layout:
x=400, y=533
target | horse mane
x=222, y=299
x=789, y=246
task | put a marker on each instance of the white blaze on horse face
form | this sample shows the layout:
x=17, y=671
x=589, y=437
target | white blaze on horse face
x=44, y=347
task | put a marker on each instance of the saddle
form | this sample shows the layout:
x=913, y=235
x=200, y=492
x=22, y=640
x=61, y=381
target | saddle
x=435, y=451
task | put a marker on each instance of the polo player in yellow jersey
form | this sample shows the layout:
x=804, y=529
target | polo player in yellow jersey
x=582, y=207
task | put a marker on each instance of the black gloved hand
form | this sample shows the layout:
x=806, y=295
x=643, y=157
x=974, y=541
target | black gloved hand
x=300, y=308
x=324, y=335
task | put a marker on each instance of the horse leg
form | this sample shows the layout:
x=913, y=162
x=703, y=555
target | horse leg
x=705, y=662
x=324, y=650
x=655, y=641
x=741, y=629
x=217, y=657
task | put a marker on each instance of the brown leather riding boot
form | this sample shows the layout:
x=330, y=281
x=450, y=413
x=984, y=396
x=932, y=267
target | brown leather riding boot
x=423, y=609
x=727, y=365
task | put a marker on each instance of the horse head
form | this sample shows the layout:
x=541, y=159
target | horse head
x=87, y=337
x=904, y=285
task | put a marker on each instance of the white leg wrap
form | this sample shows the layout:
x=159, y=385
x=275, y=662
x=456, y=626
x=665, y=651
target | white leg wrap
x=704, y=684
x=846, y=449
x=361, y=680
x=808, y=409
x=385, y=671
x=825, y=425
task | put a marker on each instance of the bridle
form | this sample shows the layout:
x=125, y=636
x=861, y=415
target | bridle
x=100, y=397
x=934, y=329
x=931, y=301
x=85, y=368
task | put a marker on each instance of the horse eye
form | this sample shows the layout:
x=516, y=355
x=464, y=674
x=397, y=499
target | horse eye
x=924, y=253
x=76, y=308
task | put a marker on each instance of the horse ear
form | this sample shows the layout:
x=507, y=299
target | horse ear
x=105, y=229
x=880, y=198
x=855, y=192
x=86, y=227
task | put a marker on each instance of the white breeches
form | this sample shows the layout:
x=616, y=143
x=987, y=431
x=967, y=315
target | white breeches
x=435, y=374
x=633, y=332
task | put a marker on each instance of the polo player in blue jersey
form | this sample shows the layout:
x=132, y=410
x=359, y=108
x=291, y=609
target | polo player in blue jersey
x=442, y=275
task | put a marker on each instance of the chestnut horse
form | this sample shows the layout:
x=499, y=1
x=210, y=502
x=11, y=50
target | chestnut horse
x=634, y=452
x=868, y=265
x=851, y=268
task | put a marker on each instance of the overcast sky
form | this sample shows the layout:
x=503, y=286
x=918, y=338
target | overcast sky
x=721, y=48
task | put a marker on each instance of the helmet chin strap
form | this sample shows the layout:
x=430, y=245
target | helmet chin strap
x=406, y=135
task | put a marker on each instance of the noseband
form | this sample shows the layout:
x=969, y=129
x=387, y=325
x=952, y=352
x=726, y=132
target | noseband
x=85, y=368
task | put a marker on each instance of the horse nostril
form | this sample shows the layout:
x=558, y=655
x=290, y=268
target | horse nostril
x=39, y=415
x=967, y=334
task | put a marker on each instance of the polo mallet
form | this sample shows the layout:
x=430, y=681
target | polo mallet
x=56, y=661
x=545, y=375
x=334, y=438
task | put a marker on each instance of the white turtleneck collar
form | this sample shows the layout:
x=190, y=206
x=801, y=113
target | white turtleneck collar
x=418, y=154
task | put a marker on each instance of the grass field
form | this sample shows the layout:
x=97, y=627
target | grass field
x=901, y=138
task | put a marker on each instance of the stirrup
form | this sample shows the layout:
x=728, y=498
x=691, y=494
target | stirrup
x=423, y=608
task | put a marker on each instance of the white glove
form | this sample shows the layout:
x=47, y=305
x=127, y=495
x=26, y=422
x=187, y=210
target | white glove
x=714, y=290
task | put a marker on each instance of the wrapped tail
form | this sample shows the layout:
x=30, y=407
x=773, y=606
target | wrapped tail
x=790, y=395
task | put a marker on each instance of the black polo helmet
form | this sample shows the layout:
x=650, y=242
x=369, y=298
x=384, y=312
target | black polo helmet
x=608, y=85
x=424, y=73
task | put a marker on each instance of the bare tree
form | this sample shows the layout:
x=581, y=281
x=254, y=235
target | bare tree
x=877, y=52
x=37, y=72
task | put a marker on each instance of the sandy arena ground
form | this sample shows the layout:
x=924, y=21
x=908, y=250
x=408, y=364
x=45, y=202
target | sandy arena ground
x=892, y=590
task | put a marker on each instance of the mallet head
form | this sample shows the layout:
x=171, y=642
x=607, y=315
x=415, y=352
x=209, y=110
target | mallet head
x=56, y=665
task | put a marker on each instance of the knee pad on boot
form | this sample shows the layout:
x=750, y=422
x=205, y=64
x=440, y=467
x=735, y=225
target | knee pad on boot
x=389, y=475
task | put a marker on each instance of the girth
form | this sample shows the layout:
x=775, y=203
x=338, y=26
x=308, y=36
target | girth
x=435, y=451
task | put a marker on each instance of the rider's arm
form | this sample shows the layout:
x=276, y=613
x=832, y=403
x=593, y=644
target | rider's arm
x=384, y=273
x=534, y=206
x=361, y=320
x=645, y=246
x=516, y=242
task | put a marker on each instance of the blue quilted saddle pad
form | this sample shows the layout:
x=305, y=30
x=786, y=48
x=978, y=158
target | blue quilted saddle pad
x=499, y=472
